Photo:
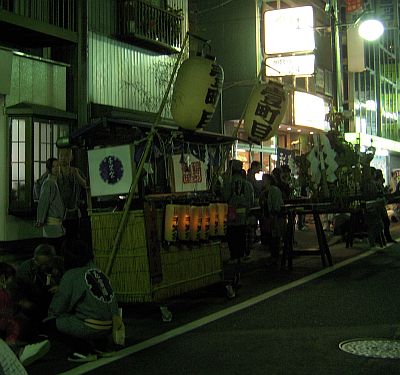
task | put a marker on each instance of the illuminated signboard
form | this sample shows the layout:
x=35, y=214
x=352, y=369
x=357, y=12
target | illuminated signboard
x=290, y=65
x=303, y=115
x=289, y=30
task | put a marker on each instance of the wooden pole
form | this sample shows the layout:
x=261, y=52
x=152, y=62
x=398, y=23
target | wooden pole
x=143, y=158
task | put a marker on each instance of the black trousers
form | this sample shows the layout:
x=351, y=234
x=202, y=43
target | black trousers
x=236, y=236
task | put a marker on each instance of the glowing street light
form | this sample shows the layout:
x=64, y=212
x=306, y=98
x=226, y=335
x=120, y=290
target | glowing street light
x=370, y=29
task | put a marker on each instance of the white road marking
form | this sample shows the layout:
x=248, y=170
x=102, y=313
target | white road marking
x=211, y=318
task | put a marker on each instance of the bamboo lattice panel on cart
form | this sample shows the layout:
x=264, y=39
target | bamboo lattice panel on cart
x=185, y=267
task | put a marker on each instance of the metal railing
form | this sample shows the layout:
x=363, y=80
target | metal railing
x=141, y=20
x=60, y=13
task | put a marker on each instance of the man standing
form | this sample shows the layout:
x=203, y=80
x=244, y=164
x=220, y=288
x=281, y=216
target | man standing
x=70, y=182
x=239, y=195
x=50, y=210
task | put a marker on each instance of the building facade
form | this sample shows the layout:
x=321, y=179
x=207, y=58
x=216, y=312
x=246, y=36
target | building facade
x=67, y=64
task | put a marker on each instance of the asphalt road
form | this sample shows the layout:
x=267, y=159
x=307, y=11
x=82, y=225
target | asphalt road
x=293, y=329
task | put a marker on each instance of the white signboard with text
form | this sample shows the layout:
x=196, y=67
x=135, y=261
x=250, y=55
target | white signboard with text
x=289, y=30
x=303, y=65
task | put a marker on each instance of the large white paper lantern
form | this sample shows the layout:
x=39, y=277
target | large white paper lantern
x=265, y=111
x=196, y=92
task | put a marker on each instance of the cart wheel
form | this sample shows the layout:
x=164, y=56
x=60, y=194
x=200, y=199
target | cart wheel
x=166, y=315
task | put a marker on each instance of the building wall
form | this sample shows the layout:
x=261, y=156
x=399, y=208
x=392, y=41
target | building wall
x=37, y=82
x=32, y=81
x=123, y=76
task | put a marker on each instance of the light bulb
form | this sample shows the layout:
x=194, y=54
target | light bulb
x=371, y=29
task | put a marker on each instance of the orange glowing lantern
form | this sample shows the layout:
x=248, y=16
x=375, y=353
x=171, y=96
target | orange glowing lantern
x=205, y=223
x=195, y=222
x=222, y=218
x=183, y=222
x=171, y=223
x=213, y=220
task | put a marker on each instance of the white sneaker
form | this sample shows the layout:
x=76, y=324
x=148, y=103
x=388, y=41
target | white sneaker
x=230, y=292
x=33, y=352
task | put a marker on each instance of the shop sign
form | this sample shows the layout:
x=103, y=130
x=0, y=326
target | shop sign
x=285, y=156
x=290, y=66
x=310, y=110
x=289, y=30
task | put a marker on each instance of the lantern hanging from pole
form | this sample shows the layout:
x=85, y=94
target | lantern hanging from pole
x=265, y=110
x=197, y=88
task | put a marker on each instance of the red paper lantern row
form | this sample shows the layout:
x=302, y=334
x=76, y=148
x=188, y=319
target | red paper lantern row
x=197, y=88
x=265, y=111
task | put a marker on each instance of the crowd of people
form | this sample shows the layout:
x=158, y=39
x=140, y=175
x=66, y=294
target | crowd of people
x=243, y=192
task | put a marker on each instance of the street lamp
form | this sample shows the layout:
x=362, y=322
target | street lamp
x=370, y=29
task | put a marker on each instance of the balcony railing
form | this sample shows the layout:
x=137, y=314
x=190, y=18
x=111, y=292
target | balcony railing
x=60, y=13
x=143, y=23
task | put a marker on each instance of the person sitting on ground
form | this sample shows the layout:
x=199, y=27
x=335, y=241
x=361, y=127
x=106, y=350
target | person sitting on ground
x=84, y=309
x=37, y=279
x=11, y=326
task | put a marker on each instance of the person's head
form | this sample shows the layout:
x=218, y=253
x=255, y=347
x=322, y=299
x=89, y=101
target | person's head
x=285, y=172
x=255, y=166
x=268, y=180
x=236, y=166
x=43, y=257
x=7, y=274
x=65, y=156
x=378, y=176
x=76, y=254
x=277, y=173
x=53, y=167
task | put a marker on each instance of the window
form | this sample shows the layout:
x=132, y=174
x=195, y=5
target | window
x=32, y=142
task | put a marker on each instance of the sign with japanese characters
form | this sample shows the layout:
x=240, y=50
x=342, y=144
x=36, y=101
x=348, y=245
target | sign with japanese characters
x=265, y=110
x=189, y=174
x=197, y=88
x=111, y=170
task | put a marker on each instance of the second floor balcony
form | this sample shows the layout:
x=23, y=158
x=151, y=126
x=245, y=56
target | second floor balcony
x=144, y=24
x=38, y=23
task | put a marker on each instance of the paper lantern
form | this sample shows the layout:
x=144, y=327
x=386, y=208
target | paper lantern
x=265, y=111
x=213, y=220
x=195, y=222
x=222, y=218
x=171, y=223
x=196, y=92
x=205, y=223
x=184, y=222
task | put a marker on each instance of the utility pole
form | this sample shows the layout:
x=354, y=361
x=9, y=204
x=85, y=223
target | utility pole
x=336, y=57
